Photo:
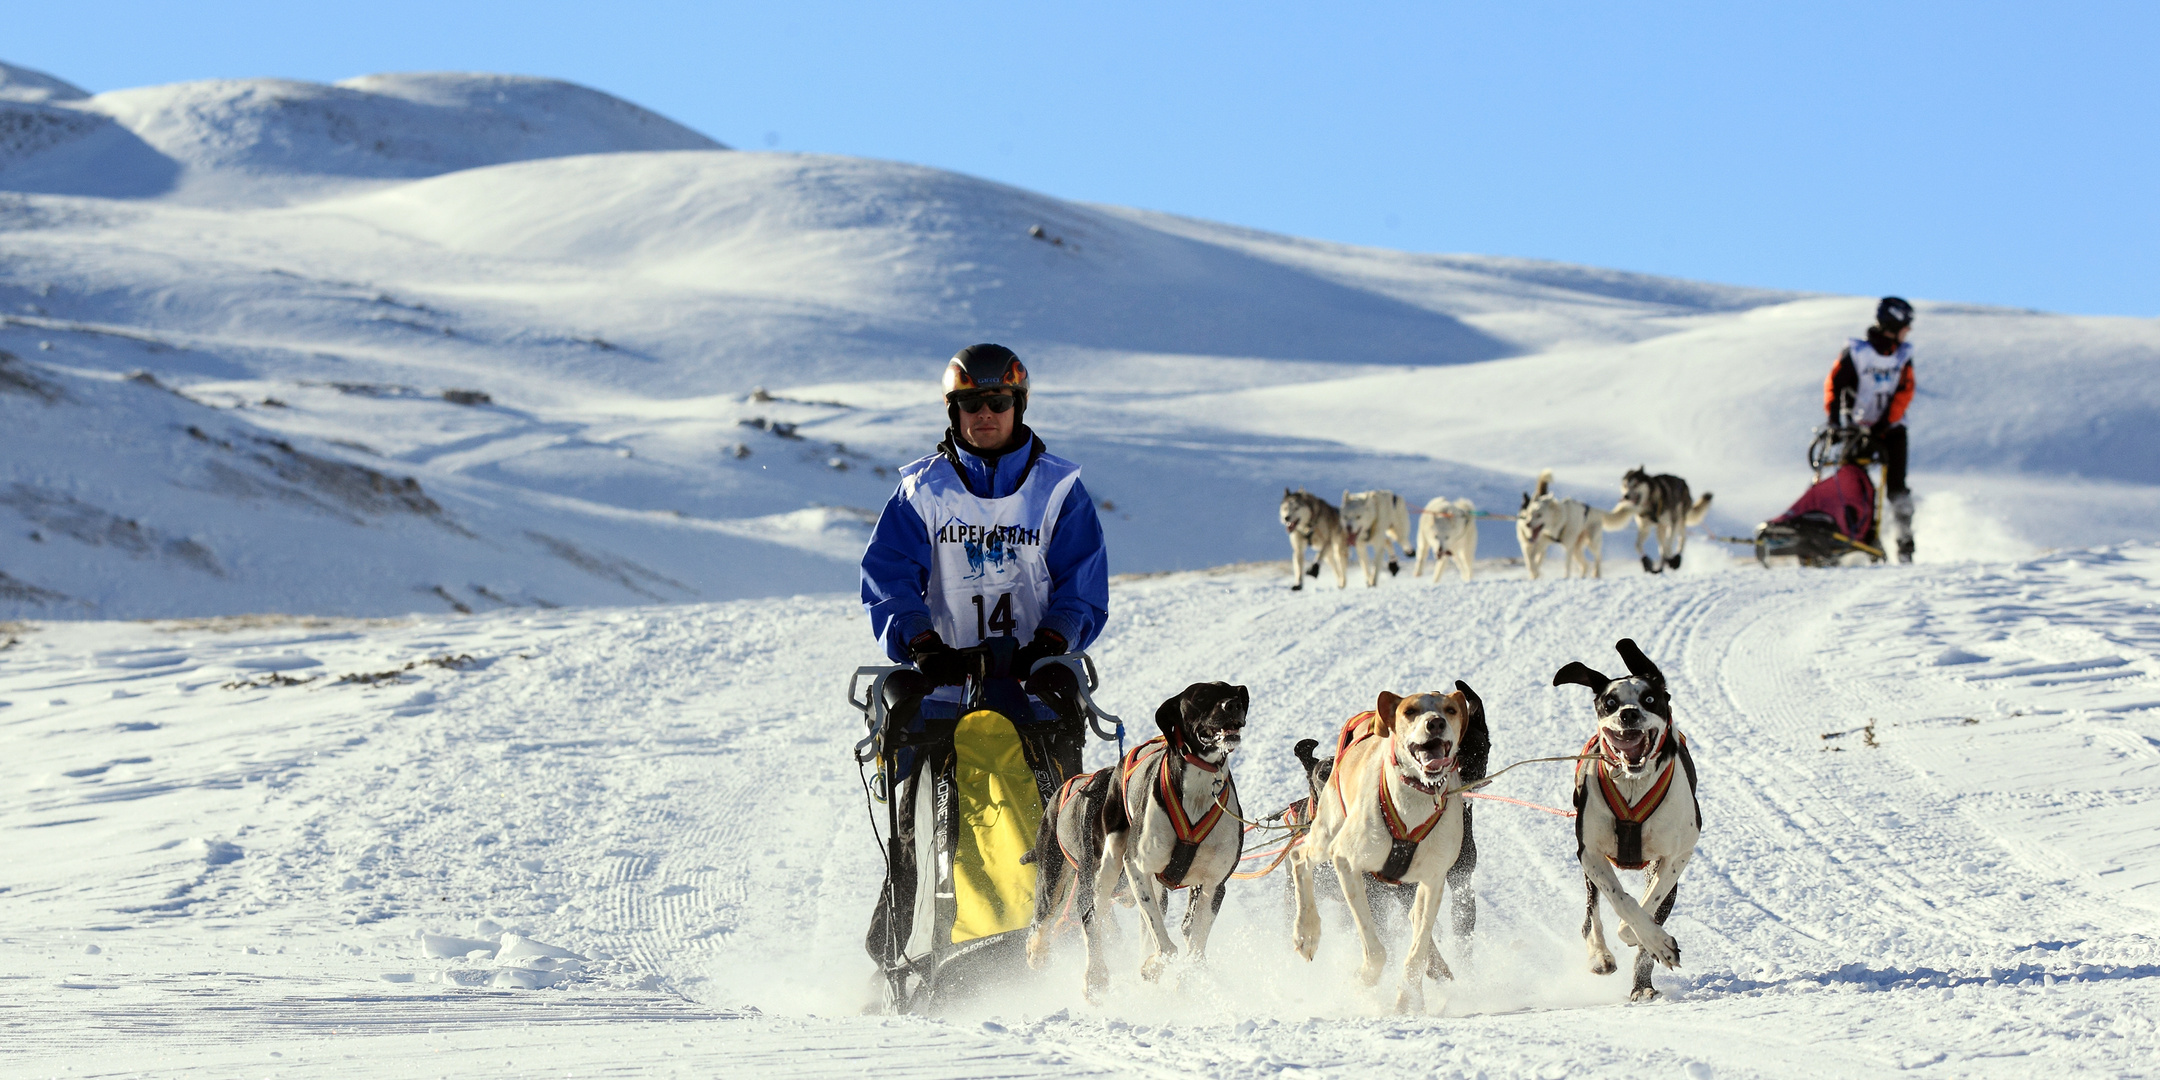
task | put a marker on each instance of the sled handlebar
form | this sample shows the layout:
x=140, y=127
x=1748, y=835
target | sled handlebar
x=872, y=704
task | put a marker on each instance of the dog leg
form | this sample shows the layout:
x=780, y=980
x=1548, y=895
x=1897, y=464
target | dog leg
x=1643, y=990
x=1353, y=887
x=1152, y=899
x=1297, y=562
x=1095, y=915
x=1305, y=931
x=1648, y=934
x=1423, y=960
x=1593, y=932
x=1200, y=912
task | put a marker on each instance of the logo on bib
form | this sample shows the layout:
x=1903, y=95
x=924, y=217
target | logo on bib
x=989, y=549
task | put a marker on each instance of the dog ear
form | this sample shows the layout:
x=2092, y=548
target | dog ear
x=1579, y=674
x=1477, y=704
x=1385, y=710
x=1639, y=665
x=1526, y=500
x=1166, y=717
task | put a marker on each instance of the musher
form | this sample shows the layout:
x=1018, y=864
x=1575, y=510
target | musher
x=1868, y=389
x=991, y=536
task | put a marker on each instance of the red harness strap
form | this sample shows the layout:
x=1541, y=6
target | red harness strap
x=1354, y=731
x=1628, y=818
x=1190, y=834
x=1404, y=842
x=1065, y=794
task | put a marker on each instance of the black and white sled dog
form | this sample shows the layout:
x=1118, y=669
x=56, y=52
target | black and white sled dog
x=1376, y=518
x=1635, y=809
x=1576, y=526
x=1166, y=817
x=1446, y=529
x=1312, y=523
x=1661, y=502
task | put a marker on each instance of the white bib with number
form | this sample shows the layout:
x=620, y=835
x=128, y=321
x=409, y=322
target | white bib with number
x=989, y=572
x=1879, y=378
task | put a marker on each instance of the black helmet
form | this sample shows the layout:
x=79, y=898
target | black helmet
x=980, y=368
x=1893, y=314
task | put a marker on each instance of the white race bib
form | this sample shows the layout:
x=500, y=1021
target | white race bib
x=1879, y=378
x=989, y=571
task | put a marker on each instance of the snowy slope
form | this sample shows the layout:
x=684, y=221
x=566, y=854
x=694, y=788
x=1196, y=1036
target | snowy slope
x=228, y=141
x=619, y=306
x=1929, y=799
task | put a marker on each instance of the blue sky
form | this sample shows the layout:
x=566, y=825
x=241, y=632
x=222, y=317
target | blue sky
x=1983, y=152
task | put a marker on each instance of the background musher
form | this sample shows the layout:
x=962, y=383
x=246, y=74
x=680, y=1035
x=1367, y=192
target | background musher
x=1868, y=389
x=990, y=537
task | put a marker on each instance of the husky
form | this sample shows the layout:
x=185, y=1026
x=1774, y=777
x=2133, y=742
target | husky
x=1635, y=809
x=1312, y=523
x=1377, y=519
x=1392, y=808
x=1165, y=817
x=1577, y=527
x=1661, y=502
x=1446, y=529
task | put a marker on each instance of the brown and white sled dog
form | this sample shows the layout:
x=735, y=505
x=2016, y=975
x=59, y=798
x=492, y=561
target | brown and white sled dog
x=1312, y=523
x=1446, y=529
x=1635, y=809
x=1376, y=518
x=1576, y=526
x=1166, y=817
x=1661, y=502
x=1390, y=809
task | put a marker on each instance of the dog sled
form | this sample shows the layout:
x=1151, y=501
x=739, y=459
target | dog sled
x=1836, y=517
x=963, y=785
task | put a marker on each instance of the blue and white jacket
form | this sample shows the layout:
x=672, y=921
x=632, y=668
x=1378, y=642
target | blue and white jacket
x=973, y=547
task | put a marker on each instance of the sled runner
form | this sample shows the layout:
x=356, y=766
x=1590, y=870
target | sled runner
x=964, y=784
x=1837, y=515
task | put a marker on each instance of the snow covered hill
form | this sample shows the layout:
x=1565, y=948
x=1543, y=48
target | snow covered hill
x=382, y=347
x=298, y=845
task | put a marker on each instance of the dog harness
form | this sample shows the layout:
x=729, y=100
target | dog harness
x=1628, y=818
x=1190, y=834
x=1403, y=841
x=1066, y=793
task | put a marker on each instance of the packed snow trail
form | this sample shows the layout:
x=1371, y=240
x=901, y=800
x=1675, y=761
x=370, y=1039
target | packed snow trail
x=1928, y=796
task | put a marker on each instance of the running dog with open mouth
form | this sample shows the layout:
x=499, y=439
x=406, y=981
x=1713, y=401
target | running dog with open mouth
x=1392, y=808
x=1151, y=817
x=1635, y=809
x=1313, y=523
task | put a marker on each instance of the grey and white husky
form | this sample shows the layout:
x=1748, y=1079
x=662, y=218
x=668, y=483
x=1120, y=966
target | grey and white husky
x=1661, y=502
x=1313, y=523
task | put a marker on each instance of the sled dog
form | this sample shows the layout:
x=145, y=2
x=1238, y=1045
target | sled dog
x=1377, y=519
x=1446, y=529
x=1577, y=527
x=1635, y=809
x=1390, y=809
x=1661, y=502
x=1166, y=817
x=1312, y=523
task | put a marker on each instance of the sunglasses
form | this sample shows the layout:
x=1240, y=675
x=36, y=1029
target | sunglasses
x=997, y=403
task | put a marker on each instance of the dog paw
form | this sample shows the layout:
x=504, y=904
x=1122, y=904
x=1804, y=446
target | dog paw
x=1665, y=950
x=1098, y=984
x=1151, y=968
x=1645, y=993
x=1368, y=973
x=1393, y=568
x=1410, y=1000
x=1299, y=587
x=1602, y=963
x=1038, y=951
x=1673, y=562
x=1436, y=969
x=1649, y=566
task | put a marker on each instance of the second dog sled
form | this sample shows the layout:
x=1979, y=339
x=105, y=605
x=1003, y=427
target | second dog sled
x=963, y=785
x=1837, y=516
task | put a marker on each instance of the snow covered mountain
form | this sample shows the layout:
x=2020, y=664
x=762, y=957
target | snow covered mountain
x=429, y=342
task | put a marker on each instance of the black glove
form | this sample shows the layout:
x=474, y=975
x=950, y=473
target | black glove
x=940, y=663
x=1047, y=643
